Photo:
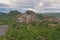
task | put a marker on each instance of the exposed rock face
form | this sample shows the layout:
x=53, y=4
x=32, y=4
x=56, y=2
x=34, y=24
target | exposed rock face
x=3, y=29
x=49, y=18
x=51, y=25
x=28, y=17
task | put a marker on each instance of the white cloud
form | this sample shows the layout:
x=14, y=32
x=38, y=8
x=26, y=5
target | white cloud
x=31, y=9
x=37, y=5
x=6, y=2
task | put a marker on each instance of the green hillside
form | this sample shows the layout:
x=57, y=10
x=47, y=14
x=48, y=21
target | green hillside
x=24, y=31
x=53, y=14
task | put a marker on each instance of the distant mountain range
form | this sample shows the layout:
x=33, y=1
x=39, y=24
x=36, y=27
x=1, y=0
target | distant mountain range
x=2, y=13
x=13, y=14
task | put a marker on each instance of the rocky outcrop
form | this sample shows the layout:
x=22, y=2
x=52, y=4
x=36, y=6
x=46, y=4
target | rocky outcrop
x=28, y=17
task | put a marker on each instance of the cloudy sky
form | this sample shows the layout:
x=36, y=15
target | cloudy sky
x=41, y=6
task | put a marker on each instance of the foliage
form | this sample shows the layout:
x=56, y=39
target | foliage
x=23, y=31
x=29, y=12
x=40, y=16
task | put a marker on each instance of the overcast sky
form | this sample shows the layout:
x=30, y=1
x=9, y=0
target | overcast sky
x=35, y=5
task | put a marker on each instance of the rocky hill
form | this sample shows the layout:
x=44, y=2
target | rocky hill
x=28, y=17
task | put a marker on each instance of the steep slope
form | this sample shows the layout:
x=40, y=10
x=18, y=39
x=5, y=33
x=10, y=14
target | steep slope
x=12, y=14
x=28, y=17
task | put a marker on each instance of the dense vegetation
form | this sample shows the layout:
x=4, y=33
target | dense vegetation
x=53, y=14
x=23, y=31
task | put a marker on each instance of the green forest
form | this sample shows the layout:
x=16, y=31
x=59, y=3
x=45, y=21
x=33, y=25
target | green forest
x=32, y=31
